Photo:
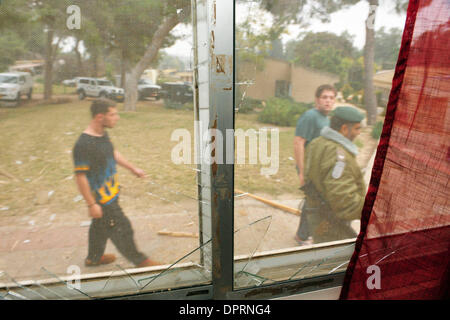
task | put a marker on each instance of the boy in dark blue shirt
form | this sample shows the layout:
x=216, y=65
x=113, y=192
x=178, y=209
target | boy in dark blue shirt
x=95, y=167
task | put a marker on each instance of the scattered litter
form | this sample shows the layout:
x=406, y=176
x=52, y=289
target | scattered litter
x=68, y=151
x=50, y=193
x=27, y=179
x=177, y=234
x=14, y=246
x=243, y=212
x=26, y=241
x=52, y=217
x=85, y=223
x=4, y=208
x=18, y=162
x=31, y=223
x=290, y=158
x=78, y=198
x=69, y=178
x=42, y=197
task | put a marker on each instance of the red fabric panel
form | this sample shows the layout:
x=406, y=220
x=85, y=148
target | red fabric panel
x=405, y=224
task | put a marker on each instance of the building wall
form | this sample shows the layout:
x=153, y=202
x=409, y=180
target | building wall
x=263, y=86
x=382, y=81
x=305, y=82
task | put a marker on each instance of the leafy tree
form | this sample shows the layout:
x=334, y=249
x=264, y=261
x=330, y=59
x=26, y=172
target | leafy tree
x=136, y=30
x=12, y=16
x=313, y=42
x=324, y=51
x=387, y=46
x=370, y=100
x=11, y=47
x=52, y=16
x=287, y=11
x=12, y=12
x=170, y=62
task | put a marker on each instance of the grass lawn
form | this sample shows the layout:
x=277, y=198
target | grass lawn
x=36, y=144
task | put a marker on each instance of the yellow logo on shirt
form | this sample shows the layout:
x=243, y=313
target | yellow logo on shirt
x=109, y=189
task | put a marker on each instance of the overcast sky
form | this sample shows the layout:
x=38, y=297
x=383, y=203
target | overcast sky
x=351, y=20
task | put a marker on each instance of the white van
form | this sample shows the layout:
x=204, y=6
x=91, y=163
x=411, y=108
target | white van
x=13, y=85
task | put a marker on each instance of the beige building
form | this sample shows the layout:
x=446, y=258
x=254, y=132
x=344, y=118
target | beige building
x=278, y=78
x=185, y=76
x=382, y=81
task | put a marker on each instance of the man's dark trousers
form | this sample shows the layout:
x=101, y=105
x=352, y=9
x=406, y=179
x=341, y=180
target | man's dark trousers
x=116, y=226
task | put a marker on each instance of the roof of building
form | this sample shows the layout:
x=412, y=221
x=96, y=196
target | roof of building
x=383, y=78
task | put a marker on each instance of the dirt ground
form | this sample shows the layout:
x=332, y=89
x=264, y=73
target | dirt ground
x=32, y=246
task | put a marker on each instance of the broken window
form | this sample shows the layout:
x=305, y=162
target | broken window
x=47, y=234
x=285, y=51
x=177, y=211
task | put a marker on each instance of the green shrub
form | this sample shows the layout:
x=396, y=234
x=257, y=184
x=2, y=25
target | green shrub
x=347, y=90
x=282, y=112
x=248, y=105
x=379, y=95
x=170, y=104
x=377, y=129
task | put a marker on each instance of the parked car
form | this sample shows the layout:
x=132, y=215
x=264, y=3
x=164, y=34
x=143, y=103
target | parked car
x=71, y=82
x=177, y=91
x=147, y=89
x=99, y=88
x=13, y=85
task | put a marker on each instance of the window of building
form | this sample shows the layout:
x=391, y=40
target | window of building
x=221, y=187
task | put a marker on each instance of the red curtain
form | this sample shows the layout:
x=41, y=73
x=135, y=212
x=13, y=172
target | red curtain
x=403, y=249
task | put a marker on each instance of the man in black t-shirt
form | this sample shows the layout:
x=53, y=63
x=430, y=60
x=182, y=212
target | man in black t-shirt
x=95, y=167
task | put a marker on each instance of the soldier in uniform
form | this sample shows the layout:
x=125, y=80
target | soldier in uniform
x=308, y=128
x=334, y=185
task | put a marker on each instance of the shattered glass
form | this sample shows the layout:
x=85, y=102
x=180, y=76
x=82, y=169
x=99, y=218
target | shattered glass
x=43, y=220
x=284, y=51
x=44, y=224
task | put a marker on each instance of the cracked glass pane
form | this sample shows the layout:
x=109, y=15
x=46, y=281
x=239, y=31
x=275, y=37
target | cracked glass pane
x=252, y=234
x=65, y=117
x=306, y=118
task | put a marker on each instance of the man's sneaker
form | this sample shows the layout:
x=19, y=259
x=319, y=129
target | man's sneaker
x=148, y=263
x=306, y=242
x=105, y=259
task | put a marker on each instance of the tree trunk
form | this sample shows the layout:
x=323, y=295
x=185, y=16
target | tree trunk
x=79, y=59
x=48, y=73
x=95, y=63
x=131, y=92
x=370, y=100
x=123, y=71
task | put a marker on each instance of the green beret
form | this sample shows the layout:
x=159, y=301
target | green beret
x=348, y=113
